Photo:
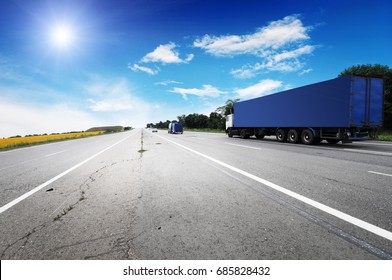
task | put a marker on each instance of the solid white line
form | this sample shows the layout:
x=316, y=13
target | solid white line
x=26, y=195
x=55, y=153
x=243, y=146
x=348, y=218
x=379, y=173
x=368, y=152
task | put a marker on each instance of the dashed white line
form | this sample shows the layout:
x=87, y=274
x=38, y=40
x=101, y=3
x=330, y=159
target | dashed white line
x=26, y=195
x=379, y=173
x=341, y=215
x=243, y=146
x=55, y=153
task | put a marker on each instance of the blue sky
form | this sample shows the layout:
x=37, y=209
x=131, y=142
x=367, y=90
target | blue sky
x=71, y=65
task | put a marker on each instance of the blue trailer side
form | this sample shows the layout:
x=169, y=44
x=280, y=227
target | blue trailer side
x=346, y=108
x=175, y=127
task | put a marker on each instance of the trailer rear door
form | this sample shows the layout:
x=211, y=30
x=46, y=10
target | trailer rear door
x=366, y=102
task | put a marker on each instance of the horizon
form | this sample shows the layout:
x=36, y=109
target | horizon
x=72, y=65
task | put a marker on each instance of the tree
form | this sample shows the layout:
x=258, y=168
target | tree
x=228, y=108
x=216, y=121
x=376, y=71
x=181, y=119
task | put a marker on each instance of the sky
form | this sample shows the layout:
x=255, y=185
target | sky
x=71, y=65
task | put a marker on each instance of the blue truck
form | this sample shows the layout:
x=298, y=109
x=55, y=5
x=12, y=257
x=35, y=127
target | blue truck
x=175, y=127
x=344, y=109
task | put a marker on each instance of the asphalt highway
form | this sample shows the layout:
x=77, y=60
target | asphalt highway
x=145, y=195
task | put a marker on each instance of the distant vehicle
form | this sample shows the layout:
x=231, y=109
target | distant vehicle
x=154, y=129
x=345, y=109
x=175, y=127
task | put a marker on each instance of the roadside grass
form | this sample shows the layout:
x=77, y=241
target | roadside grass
x=385, y=135
x=204, y=130
x=17, y=142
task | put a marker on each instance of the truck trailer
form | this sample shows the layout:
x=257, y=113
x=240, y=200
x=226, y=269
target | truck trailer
x=344, y=109
x=175, y=127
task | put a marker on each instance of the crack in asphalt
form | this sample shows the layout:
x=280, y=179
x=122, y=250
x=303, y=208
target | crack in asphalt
x=82, y=190
x=25, y=237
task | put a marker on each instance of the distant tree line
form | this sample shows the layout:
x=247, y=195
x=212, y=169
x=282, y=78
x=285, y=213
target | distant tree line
x=199, y=121
x=107, y=129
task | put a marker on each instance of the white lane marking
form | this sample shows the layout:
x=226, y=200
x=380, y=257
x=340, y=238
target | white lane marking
x=243, y=146
x=372, y=143
x=343, y=216
x=30, y=160
x=55, y=153
x=379, y=173
x=368, y=152
x=26, y=195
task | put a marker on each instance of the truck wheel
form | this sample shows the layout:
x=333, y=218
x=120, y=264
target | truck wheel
x=281, y=135
x=307, y=137
x=293, y=136
x=260, y=136
x=243, y=134
x=230, y=133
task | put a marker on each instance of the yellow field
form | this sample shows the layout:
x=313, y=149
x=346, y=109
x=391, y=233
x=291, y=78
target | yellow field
x=29, y=140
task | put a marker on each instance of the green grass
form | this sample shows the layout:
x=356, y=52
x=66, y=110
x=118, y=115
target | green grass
x=204, y=130
x=385, y=135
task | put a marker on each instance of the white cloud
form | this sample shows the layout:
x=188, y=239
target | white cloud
x=280, y=45
x=272, y=37
x=262, y=88
x=245, y=72
x=286, y=61
x=166, y=54
x=147, y=70
x=205, y=91
x=19, y=118
x=189, y=57
x=110, y=105
x=168, y=82
x=111, y=96
x=306, y=71
x=293, y=54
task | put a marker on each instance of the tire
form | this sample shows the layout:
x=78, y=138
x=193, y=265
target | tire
x=230, y=133
x=260, y=136
x=307, y=137
x=243, y=134
x=293, y=136
x=281, y=135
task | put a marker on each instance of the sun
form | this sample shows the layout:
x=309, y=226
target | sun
x=62, y=36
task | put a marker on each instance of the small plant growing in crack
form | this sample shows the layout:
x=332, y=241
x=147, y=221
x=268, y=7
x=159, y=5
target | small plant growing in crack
x=82, y=197
x=141, y=151
x=63, y=213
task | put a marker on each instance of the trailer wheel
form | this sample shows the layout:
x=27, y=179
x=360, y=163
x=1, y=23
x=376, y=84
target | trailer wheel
x=243, y=134
x=293, y=136
x=307, y=137
x=281, y=135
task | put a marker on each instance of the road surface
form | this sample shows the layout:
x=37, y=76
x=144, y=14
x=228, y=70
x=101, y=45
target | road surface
x=144, y=195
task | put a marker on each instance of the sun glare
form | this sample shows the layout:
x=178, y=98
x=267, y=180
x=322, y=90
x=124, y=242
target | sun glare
x=62, y=36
